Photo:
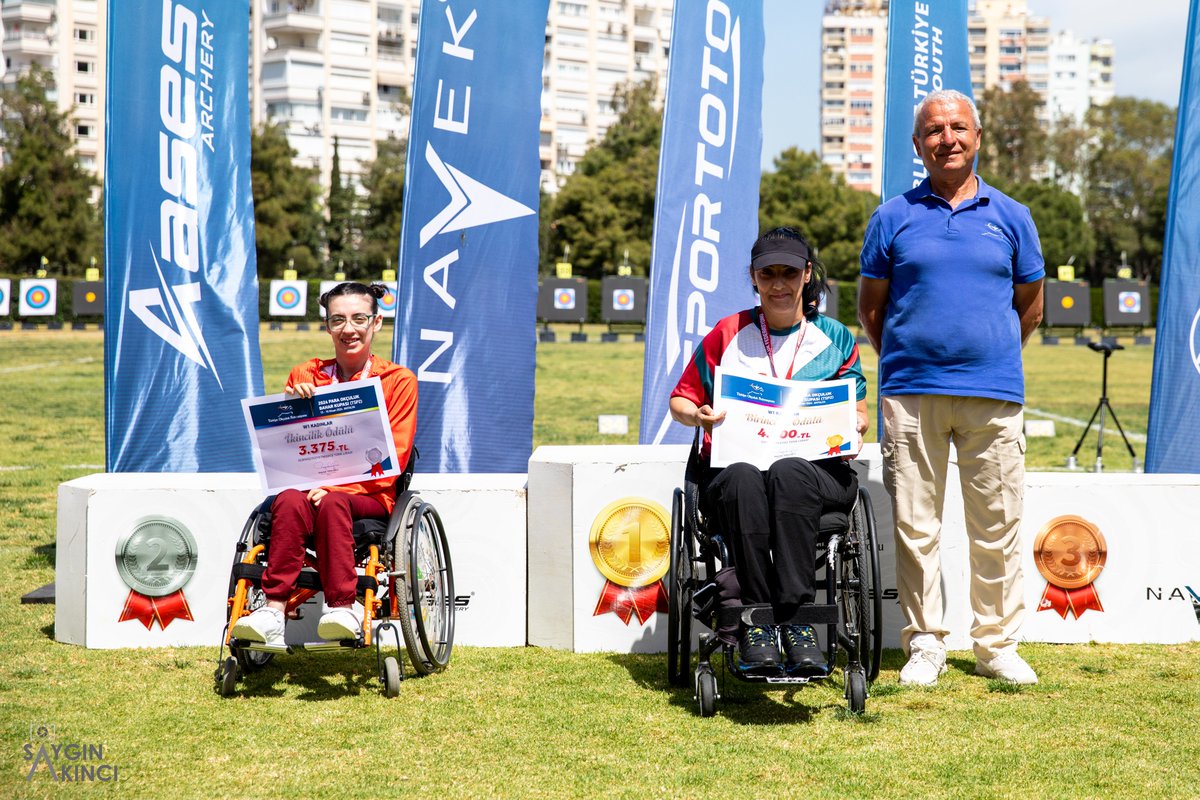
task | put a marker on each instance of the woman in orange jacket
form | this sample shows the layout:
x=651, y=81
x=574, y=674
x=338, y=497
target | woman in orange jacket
x=323, y=517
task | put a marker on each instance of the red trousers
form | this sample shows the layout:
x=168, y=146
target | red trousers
x=296, y=522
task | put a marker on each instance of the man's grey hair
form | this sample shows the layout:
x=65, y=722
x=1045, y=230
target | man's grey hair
x=945, y=96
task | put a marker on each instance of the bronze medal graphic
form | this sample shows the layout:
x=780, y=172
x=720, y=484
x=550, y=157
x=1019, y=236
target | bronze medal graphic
x=1070, y=553
x=630, y=544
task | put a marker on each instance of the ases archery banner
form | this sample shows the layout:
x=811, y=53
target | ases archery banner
x=467, y=284
x=1174, y=429
x=706, y=205
x=181, y=294
x=926, y=51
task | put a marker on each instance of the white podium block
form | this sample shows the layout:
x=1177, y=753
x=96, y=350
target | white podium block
x=568, y=488
x=95, y=512
x=484, y=516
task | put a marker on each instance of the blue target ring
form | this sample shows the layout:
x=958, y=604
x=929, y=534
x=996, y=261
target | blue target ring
x=37, y=297
x=388, y=301
x=287, y=297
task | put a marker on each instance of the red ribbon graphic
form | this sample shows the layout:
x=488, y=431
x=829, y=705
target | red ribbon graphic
x=376, y=469
x=164, y=610
x=627, y=601
x=833, y=451
x=1075, y=601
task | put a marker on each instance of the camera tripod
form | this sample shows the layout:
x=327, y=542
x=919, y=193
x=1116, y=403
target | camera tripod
x=1102, y=405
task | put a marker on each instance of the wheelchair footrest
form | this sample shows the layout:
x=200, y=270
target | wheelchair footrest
x=765, y=615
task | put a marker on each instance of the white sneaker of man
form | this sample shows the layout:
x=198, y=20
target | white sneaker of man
x=926, y=661
x=1007, y=666
x=261, y=625
x=339, y=623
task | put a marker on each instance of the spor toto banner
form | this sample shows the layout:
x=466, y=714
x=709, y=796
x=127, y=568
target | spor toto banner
x=181, y=307
x=467, y=287
x=706, y=207
x=927, y=51
x=1174, y=429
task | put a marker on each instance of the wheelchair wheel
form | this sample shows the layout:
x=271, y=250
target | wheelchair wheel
x=864, y=521
x=391, y=676
x=856, y=691
x=706, y=692
x=855, y=594
x=427, y=589
x=679, y=598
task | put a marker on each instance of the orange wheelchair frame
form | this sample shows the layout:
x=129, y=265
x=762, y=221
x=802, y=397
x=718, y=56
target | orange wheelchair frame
x=406, y=578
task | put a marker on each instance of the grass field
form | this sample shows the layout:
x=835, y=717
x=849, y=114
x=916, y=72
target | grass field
x=1106, y=720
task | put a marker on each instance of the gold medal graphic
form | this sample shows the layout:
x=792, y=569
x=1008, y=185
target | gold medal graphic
x=630, y=544
x=1070, y=553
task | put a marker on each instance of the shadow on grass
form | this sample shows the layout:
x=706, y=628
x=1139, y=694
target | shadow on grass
x=739, y=701
x=318, y=677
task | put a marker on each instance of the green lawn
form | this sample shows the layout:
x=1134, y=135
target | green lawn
x=1106, y=720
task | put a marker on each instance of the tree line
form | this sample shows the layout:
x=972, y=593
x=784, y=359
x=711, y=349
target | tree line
x=1097, y=191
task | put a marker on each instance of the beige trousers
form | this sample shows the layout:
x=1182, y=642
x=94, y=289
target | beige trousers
x=990, y=445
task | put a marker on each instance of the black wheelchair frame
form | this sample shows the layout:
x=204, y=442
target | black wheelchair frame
x=847, y=575
x=406, y=578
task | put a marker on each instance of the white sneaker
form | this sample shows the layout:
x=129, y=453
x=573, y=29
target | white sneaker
x=1008, y=666
x=261, y=625
x=926, y=661
x=337, y=624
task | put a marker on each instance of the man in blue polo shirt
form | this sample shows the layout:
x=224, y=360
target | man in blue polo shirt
x=951, y=290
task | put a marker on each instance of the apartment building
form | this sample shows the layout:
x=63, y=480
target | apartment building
x=1005, y=43
x=66, y=38
x=342, y=70
x=853, y=72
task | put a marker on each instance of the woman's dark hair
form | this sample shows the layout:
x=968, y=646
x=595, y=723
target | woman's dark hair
x=819, y=281
x=375, y=291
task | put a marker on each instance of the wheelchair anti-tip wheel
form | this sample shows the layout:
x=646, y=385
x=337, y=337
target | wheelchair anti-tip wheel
x=228, y=677
x=706, y=692
x=856, y=691
x=391, y=676
x=425, y=589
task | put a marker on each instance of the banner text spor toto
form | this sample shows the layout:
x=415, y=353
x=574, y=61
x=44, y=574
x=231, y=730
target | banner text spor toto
x=181, y=308
x=1174, y=430
x=706, y=208
x=466, y=321
x=927, y=51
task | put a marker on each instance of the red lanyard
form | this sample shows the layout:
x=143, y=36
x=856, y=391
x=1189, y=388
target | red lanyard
x=766, y=337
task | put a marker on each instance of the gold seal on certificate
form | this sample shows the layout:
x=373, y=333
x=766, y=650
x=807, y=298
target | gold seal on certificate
x=630, y=544
x=1070, y=552
x=156, y=560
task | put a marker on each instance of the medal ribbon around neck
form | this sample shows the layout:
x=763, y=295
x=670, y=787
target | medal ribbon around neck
x=766, y=337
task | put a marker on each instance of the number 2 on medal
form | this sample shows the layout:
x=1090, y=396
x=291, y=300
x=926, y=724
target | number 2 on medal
x=157, y=564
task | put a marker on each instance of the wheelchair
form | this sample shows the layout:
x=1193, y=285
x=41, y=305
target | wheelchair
x=405, y=578
x=851, y=616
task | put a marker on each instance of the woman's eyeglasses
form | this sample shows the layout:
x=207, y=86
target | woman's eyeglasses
x=338, y=322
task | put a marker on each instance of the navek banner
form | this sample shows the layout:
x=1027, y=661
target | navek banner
x=181, y=309
x=926, y=51
x=469, y=242
x=1174, y=430
x=706, y=207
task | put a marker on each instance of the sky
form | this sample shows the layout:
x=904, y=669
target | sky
x=1147, y=34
